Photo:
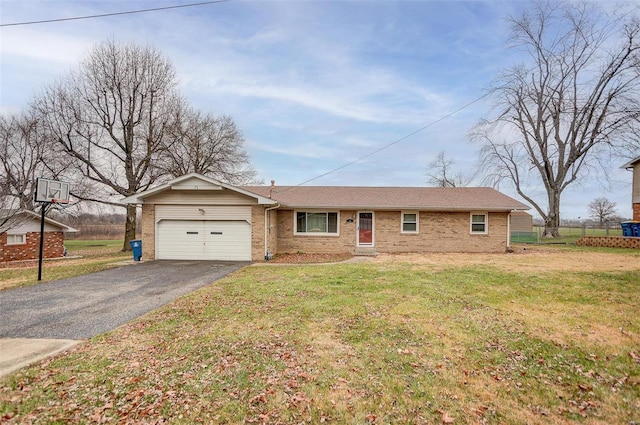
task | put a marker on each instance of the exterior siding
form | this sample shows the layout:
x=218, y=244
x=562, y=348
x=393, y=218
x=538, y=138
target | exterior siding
x=209, y=212
x=218, y=205
x=635, y=186
x=521, y=222
x=438, y=232
x=52, y=248
x=200, y=198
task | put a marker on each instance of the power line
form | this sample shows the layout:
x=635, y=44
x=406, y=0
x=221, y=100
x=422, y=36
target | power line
x=442, y=118
x=130, y=12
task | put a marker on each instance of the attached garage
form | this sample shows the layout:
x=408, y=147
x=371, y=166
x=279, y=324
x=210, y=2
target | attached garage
x=197, y=218
x=204, y=240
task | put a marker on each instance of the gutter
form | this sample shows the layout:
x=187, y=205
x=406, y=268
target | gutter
x=267, y=254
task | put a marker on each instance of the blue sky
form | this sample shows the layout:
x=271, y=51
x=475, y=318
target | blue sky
x=313, y=85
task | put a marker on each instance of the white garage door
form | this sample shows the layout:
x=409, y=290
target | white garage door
x=204, y=240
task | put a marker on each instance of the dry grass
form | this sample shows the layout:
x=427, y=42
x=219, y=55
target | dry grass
x=499, y=339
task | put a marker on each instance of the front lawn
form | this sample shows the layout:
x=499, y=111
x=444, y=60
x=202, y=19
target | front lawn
x=83, y=257
x=450, y=339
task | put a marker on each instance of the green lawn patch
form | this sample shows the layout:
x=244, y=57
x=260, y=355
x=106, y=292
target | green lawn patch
x=358, y=343
x=83, y=257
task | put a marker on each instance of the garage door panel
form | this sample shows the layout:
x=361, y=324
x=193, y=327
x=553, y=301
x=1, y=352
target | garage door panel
x=204, y=240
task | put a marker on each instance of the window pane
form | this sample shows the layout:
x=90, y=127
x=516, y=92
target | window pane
x=333, y=223
x=409, y=227
x=15, y=239
x=410, y=218
x=477, y=227
x=301, y=222
x=477, y=218
x=317, y=222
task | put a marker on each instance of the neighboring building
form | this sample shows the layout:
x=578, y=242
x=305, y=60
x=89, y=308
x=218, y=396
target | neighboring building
x=195, y=217
x=22, y=241
x=521, y=221
x=634, y=165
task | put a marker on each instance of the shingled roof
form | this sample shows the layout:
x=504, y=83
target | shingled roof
x=390, y=198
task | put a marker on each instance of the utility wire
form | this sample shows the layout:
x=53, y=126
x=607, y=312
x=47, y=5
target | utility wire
x=444, y=117
x=130, y=12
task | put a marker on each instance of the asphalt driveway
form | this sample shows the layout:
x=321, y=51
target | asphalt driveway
x=84, y=306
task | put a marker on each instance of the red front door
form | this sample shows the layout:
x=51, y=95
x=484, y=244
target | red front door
x=365, y=228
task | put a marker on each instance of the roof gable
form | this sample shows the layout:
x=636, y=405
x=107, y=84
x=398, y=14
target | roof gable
x=33, y=216
x=629, y=165
x=193, y=181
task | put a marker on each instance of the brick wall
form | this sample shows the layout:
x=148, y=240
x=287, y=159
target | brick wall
x=257, y=233
x=288, y=242
x=609, y=241
x=149, y=231
x=438, y=232
x=636, y=212
x=52, y=248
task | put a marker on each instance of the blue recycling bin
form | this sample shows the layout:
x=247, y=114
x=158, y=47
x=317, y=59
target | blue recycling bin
x=635, y=227
x=627, y=229
x=136, y=248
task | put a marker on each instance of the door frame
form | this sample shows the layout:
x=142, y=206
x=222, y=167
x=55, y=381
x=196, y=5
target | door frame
x=373, y=229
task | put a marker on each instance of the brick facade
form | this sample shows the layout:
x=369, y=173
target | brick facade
x=52, y=248
x=148, y=231
x=257, y=233
x=636, y=212
x=438, y=232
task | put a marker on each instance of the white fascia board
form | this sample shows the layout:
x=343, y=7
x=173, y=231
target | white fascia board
x=173, y=185
x=51, y=221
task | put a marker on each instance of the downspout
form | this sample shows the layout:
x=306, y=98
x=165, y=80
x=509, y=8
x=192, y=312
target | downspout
x=267, y=257
x=508, y=231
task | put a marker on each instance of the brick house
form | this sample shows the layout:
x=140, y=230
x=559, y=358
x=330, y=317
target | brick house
x=22, y=240
x=194, y=217
x=634, y=165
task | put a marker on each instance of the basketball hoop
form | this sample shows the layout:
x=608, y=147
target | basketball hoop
x=51, y=191
x=48, y=192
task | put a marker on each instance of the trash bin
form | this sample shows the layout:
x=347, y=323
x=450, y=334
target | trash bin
x=136, y=248
x=635, y=227
x=627, y=229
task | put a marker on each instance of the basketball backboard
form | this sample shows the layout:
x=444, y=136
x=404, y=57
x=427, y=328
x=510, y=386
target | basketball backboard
x=52, y=191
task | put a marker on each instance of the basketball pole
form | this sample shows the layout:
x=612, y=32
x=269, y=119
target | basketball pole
x=43, y=210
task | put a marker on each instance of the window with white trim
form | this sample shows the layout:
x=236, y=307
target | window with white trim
x=479, y=223
x=316, y=223
x=16, y=239
x=409, y=222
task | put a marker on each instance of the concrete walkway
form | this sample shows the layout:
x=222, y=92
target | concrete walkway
x=16, y=353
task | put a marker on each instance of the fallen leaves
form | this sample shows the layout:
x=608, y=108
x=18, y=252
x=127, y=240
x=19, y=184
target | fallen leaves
x=447, y=419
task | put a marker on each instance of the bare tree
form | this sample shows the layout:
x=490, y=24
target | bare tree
x=440, y=173
x=111, y=117
x=559, y=111
x=602, y=209
x=208, y=145
x=25, y=155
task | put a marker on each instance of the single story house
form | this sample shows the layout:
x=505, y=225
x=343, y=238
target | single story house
x=634, y=166
x=195, y=217
x=22, y=240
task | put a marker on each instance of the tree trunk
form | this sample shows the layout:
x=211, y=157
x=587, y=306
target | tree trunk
x=129, y=227
x=552, y=220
